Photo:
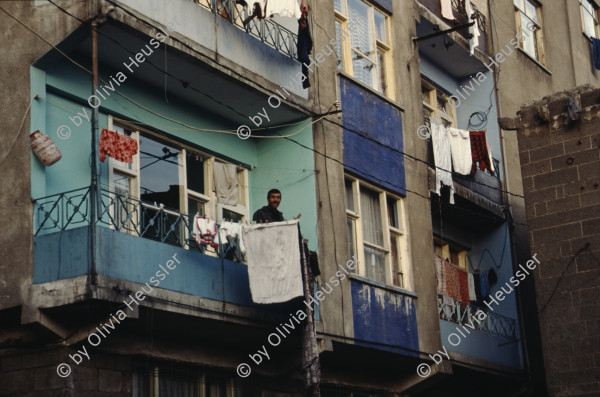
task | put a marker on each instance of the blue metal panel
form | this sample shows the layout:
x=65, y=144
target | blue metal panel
x=60, y=255
x=480, y=345
x=379, y=120
x=384, y=317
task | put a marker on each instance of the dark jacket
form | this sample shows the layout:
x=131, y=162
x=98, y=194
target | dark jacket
x=267, y=214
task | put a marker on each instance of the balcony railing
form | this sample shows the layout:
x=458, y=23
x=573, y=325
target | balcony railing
x=460, y=6
x=267, y=31
x=463, y=313
x=125, y=214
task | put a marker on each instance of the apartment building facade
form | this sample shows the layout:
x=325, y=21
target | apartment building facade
x=180, y=79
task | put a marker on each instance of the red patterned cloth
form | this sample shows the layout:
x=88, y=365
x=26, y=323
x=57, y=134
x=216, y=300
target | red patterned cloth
x=452, y=281
x=463, y=286
x=117, y=146
x=479, y=151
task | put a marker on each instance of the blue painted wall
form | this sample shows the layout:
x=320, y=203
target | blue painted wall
x=477, y=101
x=385, y=317
x=375, y=118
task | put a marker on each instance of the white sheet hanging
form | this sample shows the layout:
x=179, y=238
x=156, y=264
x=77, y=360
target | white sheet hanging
x=447, y=9
x=460, y=146
x=284, y=8
x=273, y=255
x=442, y=158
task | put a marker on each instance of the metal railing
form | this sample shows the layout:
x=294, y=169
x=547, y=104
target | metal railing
x=68, y=210
x=460, y=6
x=464, y=313
x=267, y=31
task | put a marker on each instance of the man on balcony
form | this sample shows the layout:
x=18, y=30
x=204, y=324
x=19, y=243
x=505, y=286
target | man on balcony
x=269, y=212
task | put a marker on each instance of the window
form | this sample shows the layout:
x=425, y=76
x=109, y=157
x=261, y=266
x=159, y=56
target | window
x=376, y=226
x=527, y=15
x=451, y=253
x=169, y=178
x=367, y=55
x=437, y=105
x=182, y=382
x=589, y=17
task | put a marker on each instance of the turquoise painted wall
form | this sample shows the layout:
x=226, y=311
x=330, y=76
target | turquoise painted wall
x=277, y=162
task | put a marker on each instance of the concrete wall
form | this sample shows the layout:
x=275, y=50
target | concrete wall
x=560, y=164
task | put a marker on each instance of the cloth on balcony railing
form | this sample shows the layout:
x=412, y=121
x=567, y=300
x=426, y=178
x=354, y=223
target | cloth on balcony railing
x=230, y=231
x=259, y=7
x=440, y=275
x=273, y=256
x=442, y=158
x=304, y=48
x=463, y=286
x=205, y=232
x=473, y=30
x=460, y=146
x=226, y=183
x=480, y=152
x=447, y=9
x=596, y=52
x=284, y=8
x=452, y=284
x=484, y=284
x=117, y=146
x=472, y=291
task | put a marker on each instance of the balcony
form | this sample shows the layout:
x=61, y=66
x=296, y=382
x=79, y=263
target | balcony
x=266, y=30
x=62, y=246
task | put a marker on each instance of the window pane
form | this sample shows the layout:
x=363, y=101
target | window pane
x=360, y=37
x=425, y=97
x=375, y=264
x=380, y=31
x=195, y=173
x=195, y=207
x=529, y=41
x=363, y=69
x=159, y=173
x=371, y=216
x=441, y=103
x=340, y=6
x=122, y=131
x=396, y=269
x=530, y=10
x=121, y=184
x=231, y=216
x=519, y=4
x=349, y=195
x=381, y=72
x=351, y=228
x=338, y=48
x=392, y=211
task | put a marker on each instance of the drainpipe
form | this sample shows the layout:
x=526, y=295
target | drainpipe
x=94, y=192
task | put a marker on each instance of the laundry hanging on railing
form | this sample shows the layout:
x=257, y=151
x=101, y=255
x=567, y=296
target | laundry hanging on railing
x=273, y=256
x=304, y=48
x=229, y=232
x=117, y=146
x=480, y=152
x=283, y=8
x=442, y=158
x=205, y=232
x=440, y=275
x=460, y=146
x=447, y=9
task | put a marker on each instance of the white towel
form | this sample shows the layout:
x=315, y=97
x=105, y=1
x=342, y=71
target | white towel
x=273, y=255
x=460, y=146
x=284, y=8
x=472, y=294
x=226, y=184
x=447, y=9
x=442, y=158
x=474, y=30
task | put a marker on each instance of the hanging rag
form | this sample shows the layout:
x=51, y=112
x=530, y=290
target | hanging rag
x=117, y=146
x=460, y=146
x=311, y=363
x=477, y=280
x=447, y=9
x=226, y=183
x=273, y=256
x=304, y=48
x=452, y=281
x=449, y=305
x=284, y=8
x=492, y=277
x=472, y=290
x=440, y=275
x=473, y=30
x=205, y=231
x=229, y=231
x=442, y=158
x=463, y=285
x=479, y=151
x=485, y=285
x=596, y=52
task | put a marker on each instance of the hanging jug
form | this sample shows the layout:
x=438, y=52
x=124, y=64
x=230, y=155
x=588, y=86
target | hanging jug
x=44, y=148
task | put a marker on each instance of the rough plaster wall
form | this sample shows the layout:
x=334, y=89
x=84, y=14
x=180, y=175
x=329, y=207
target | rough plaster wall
x=20, y=48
